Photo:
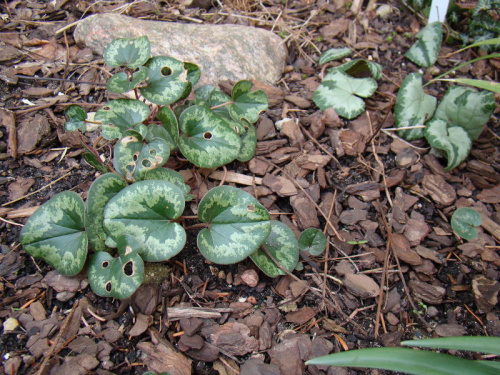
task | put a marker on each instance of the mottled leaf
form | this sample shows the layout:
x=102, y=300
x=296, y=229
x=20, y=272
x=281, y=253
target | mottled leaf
x=246, y=104
x=206, y=140
x=119, y=115
x=413, y=106
x=76, y=116
x=248, y=143
x=55, y=234
x=464, y=220
x=238, y=225
x=361, y=68
x=283, y=247
x=424, y=52
x=130, y=52
x=168, y=129
x=193, y=74
x=342, y=92
x=145, y=210
x=121, y=82
x=313, y=241
x=100, y=192
x=167, y=174
x=334, y=54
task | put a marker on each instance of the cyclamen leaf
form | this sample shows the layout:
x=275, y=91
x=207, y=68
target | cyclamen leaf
x=361, y=68
x=130, y=52
x=424, y=52
x=342, y=92
x=76, y=118
x=248, y=143
x=55, y=233
x=100, y=192
x=167, y=174
x=453, y=140
x=121, y=83
x=238, y=225
x=145, y=210
x=247, y=105
x=119, y=115
x=169, y=128
x=313, y=241
x=334, y=54
x=464, y=220
x=413, y=106
x=282, y=245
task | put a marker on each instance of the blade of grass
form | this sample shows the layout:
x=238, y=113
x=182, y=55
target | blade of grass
x=489, y=345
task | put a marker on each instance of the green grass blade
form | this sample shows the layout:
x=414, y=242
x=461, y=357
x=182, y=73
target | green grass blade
x=479, y=83
x=482, y=43
x=481, y=344
x=416, y=362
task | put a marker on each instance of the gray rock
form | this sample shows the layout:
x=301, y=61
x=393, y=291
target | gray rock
x=223, y=52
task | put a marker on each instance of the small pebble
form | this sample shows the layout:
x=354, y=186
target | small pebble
x=10, y=324
x=250, y=277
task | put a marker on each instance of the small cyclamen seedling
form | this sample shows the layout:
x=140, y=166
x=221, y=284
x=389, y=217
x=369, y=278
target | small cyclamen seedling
x=132, y=216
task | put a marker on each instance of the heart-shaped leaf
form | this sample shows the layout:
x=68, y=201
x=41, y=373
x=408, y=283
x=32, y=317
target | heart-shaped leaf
x=121, y=82
x=464, y=220
x=341, y=92
x=238, y=225
x=133, y=158
x=424, y=52
x=467, y=108
x=361, y=68
x=334, y=54
x=453, y=140
x=206, y=140
x=167, y=174
x=145, y=210
x=55, y=233
x=313, y=241
x=119, y=115
x=130, y=52
x=76, y=118
x=167, y=81
x=117, y=277
x=413, y=106
x=193, y=74
x=248, y=142
x=168, y=129
x=247, y=105
x=100, y=192
x=282, y=245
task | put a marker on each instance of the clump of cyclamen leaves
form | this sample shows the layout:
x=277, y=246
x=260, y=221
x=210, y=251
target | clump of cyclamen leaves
x=131, y=216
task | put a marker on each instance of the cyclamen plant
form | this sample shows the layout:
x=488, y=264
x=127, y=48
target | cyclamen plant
x=131, y=215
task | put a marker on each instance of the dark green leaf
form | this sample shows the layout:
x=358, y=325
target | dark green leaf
x=121, y=83
x=313, y=241
x=119, y=115
x=334, y=54
x=464, y=220
x=76, y=118
x=247, y=105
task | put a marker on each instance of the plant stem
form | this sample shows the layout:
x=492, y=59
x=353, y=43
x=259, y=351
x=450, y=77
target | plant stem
x=221, y=105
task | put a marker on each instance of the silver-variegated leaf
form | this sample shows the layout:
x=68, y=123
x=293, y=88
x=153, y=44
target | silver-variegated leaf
x=413, y=107
x=424, y=52
x=168, y=129
x=119, y=115
x=248, y=143
x=283, y=247
x=313, y=241
x=167, y=174
x=467, y=108
x=76, y=118
x=121, y=82
x=130, y=52
x=145, y=210
x=117, y=277
x=206, y=140
x=167, y=81
x=464, y=221
x=55, y=234
x=453, y=140
x=361, y=68
x=101, y=191
x=334, y=54
x=238, y=225
x=247, y=104
x=342, y=93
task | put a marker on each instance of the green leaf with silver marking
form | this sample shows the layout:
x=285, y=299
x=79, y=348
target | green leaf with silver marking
x=424, y=52
x=167, y=81
x=167, y=174
x=119, y=115
x=467, y=108
x=464, y=222
x=247, y=104
x=413, y=107
x=453, y=140
x=361, y=68
x=76, y=116
x=248, y=142
x=334, y=54
x=193, y=73
x=133, y=158
x=168, y=129
x=55, y=234
x=313, y=241
x=283, y=247
x=130, y=52
x=121, y=82
x=145, y=210
x=117, y=277
x=100, y=192
x=206, y=140
x=342, y=93
x=238, y=225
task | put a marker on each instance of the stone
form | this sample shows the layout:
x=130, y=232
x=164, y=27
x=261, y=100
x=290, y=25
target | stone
x=223, y=52
x=361, y=285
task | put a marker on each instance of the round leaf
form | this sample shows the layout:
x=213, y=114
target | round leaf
x=119, y=115
x=130, y=52
x=100, y=192
x=282, y=245
x=117, y=277
x=54, y=233
x=313, y=241
x=238, y=225
x=121, y=83
x=247, y=105
x=167, y=174
x=464, y=220
x=144, y=210
x=334, y=54
x=206, y=140
x=76, y=118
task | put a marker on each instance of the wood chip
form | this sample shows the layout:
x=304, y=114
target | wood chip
x=439, y=190
x=236, y=178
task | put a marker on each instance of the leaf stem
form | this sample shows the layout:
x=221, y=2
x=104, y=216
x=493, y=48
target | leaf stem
x=221, y=105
